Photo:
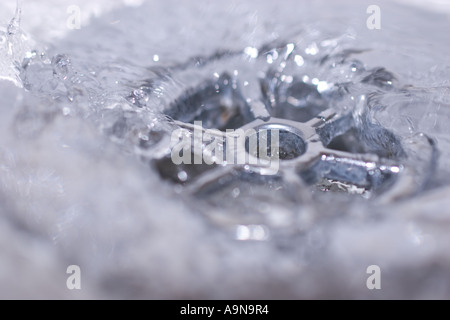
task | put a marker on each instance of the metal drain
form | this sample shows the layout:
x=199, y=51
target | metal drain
x=321, y=147
x=318, y=147
x=289, y=144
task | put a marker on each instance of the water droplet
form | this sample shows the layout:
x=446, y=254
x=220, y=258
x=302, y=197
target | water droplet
x=30, y=54
x=252, y=232
x=61, y=66
x=289, y=49
x=14, y=25
x=139, y=98
x=299, y=60
x=356, y=66
x=395, y=169
x=323, y=86
x=312, y=49
x=183, y=176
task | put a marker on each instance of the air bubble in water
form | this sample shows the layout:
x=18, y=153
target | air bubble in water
x=138, y=97
x=61, y=66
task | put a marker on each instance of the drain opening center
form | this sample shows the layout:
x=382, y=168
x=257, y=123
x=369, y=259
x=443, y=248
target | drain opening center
x=273, y=140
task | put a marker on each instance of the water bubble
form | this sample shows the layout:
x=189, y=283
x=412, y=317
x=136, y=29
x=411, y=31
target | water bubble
x=356, y=66
x=66, y=111
x=299, y=60
x=251, y=52
x=183, y=176
x=138, y=97
x=252, y=232
x=14, y=25
x=312, y=49
x=30, y=54
x=61, y=66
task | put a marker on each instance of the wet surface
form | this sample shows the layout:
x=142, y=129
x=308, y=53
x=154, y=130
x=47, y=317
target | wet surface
x=363, y=156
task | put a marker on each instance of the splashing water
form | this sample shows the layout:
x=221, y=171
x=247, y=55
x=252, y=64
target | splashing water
x=86, y=170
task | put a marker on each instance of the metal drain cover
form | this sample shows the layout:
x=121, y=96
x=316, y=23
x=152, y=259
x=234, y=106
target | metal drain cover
x=289, y=141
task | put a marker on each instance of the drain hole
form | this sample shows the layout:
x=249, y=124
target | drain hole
x=349, y=141
x=218, y=104
x=344, y=135
x=286, y=143
x=347, y=171
x=180, y=174
x=298, y=101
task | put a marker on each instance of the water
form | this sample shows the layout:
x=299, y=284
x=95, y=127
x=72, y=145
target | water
x=86, y=174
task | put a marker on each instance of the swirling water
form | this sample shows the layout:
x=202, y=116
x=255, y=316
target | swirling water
x=85, y=170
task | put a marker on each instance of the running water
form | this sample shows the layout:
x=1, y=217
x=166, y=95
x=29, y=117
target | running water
x=86, y=172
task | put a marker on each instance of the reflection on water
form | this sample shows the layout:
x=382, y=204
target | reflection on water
x=376, y=100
